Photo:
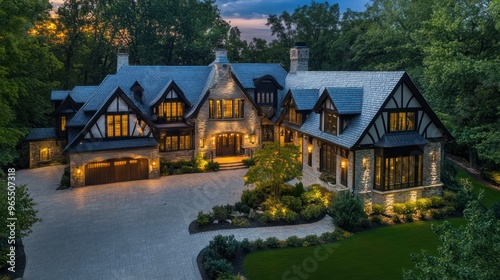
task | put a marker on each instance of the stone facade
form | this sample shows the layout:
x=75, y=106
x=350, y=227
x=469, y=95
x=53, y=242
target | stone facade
x=224, y=87
x=51, y=149
x=79, y=160
x=178, y=155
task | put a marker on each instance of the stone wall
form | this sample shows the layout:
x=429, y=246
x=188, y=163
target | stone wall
x=79, y=160
x=364, y=170
x=224, y=87
x=431, y=171
x=177, y=155
x=399, y=196
x=55, y=148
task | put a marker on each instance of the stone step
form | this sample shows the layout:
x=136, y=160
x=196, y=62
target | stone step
x=231, y=165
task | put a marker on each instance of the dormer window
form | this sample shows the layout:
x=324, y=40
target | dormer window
x=401, y=121
x=330, y=121
x=294, y=117
x=171, y=109
x=265, y=92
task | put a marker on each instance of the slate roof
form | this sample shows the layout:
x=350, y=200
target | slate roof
x=81, y=94
x=247, y=72
x=401, y=140
x=346, y=100
x=305, y=99
x=41, y=134
x=115, y=144
x=377, y=86
x=59, y=95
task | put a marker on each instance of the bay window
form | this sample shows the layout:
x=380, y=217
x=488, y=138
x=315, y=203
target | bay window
x=398, y=172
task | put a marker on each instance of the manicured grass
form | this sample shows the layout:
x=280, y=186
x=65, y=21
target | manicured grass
x=490, y=195
x=373, y=254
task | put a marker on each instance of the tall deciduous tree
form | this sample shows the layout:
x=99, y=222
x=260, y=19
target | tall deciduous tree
x=26, y=65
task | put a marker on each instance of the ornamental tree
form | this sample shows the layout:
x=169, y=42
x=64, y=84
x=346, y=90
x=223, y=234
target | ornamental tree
x=274, y=165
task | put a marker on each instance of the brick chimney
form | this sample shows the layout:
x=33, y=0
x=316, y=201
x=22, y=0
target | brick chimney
x=299, y=57
x=121, y=60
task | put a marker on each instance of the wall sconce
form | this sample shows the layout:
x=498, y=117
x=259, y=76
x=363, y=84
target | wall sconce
x=154, y=163
x=342, y=164
x=78, y=171
x=213, y=140
x=202, y=142
x=246, y=136
x=252, y=139
x=309, y=149
x=365, y=163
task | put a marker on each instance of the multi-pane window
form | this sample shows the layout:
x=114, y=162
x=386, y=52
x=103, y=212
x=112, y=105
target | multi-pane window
x=117, y=125
x=288, y=136
x=175, y=142
x=264, y=97
x=171, y=111
x=398, y=172
x=226, y=108
x=63, y=123
x=401, y=121
x=330, y=122
x=328, y=159
x=294, y=117
x=267, y=133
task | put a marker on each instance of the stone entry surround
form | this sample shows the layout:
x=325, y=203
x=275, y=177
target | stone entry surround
x=131, y=230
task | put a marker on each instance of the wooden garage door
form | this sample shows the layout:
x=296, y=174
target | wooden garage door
x=117, y=170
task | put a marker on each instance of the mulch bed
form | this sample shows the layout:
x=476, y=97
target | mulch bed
x=194, y=228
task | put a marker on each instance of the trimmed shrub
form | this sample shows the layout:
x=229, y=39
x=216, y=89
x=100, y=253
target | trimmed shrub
x=409, y=217
x=210, y=253
x=346, y=210
x=250, y=198
x=220, y=212
x=272, y=242
x=396, y=219
x=311, y=240
x=328, y=237
x=312, y=211
x=376, y=219
x=249, y=162
x=317, y=194
x=298, y=190
x=245, y=209
x=287, y=190
x=258, y=243
x=203, y=219
x=493, y=176
x=215, y=267
x=399, y=208
x=292, y=202
x=437, y=214
x=237, y=206
x=273, y=216
x=449, y=210
x=423, y=204
x=241, y=222
x=291, y=217
x=212, y=166
x=188, y=169
x=437, y=202
x=378, y=209
x=65, y=181
x=293, y=241
x=226, y=246
x=410, y=207
x=245, y=245
x=265, y=218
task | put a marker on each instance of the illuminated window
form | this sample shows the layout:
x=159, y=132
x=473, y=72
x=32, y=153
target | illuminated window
x=63, y=123
x=328, y=159
x=401, y=121
x=398, y=172
x=171, y=111
x=227, y=108
x=175, y=142
x=294, y=117
x=44, y=154
x=117, y=125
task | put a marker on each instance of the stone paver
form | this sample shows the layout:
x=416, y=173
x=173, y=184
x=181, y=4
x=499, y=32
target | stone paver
x=132, y=230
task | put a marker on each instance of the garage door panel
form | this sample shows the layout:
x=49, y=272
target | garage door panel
x=117, y=170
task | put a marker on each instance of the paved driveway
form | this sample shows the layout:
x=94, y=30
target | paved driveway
x=132, y=230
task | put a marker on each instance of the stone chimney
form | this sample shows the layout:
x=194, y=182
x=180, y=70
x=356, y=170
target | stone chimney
x=121, y=60
x=221, y=55
x=299, y=57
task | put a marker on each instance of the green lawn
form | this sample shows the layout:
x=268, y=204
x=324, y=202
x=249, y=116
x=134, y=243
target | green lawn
x=373, y=254
x=490, y=195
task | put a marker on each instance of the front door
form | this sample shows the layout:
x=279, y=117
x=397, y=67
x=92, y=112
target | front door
x=228, y=144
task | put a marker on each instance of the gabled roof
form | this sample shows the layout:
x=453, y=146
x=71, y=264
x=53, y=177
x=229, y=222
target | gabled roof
x=347, y=101
x=59, y=95
x=305, y=99
x=164, y=91
x=68, y=105
x=377, y=87
x=247, y=72
x=36, y=134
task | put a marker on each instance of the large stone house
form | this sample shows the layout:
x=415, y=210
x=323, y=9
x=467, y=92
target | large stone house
x=372, y=130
